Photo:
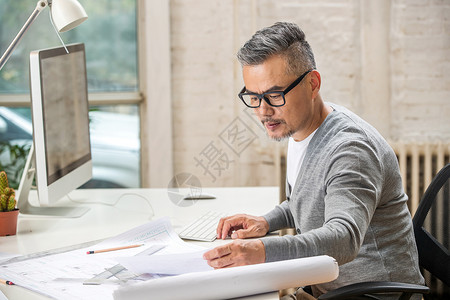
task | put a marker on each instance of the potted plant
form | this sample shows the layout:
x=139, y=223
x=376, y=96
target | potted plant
x=8, y=210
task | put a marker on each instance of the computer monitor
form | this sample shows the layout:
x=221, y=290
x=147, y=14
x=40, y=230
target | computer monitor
x=61, y=151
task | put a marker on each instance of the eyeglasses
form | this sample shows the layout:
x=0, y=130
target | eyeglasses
x=273, y=98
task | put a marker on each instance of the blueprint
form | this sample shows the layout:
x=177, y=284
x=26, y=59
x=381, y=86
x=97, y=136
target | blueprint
x=76, y=275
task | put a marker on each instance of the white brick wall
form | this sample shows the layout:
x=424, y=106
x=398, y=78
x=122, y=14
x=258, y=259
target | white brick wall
x=412, y=100
x=420, y=43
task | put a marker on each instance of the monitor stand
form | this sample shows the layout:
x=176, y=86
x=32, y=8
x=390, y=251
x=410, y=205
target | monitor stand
x=22, y=194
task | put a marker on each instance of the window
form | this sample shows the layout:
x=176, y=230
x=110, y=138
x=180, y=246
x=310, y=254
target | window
x=110, y=37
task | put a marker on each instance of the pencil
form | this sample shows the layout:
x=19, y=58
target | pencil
x=113, y=249
x=7, y=282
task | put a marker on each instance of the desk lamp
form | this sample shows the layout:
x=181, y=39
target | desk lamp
x=66, y=15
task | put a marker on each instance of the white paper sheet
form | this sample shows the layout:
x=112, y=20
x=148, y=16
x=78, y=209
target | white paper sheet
x=170, y=264
x=235, y=282
x=6, y=256
x=2, y=296
x=61, y=276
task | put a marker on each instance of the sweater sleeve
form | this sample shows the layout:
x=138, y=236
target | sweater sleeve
x=280, y=217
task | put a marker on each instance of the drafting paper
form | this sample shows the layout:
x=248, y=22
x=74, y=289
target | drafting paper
x=235, y=282
x=6, y=256
x=2, y=296
x=168, y=264
x=61, y=276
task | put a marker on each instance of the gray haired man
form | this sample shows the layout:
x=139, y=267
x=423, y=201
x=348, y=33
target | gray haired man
x=344, y=191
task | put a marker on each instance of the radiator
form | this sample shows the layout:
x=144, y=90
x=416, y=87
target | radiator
x=419, y=163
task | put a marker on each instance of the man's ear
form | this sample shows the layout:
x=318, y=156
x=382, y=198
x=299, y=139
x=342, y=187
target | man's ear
x=315, y=81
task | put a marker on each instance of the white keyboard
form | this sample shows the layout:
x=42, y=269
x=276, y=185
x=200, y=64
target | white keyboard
x=203, y=228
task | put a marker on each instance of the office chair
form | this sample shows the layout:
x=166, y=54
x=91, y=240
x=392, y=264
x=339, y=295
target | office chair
x=434, y=255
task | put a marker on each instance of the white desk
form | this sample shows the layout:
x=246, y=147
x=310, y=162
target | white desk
x=117, y=210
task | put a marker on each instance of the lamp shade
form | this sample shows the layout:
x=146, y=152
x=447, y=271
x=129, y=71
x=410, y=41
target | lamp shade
x=67, y=14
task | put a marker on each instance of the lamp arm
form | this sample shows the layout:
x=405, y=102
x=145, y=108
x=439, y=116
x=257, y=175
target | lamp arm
x=41, y=5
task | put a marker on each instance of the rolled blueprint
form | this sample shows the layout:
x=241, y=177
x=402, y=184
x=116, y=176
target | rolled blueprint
x=235, y=282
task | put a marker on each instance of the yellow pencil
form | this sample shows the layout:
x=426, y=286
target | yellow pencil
x=113, y=249
x=7, y=282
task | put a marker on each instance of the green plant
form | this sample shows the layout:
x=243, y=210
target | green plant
x=13, y=158
x=7, y=194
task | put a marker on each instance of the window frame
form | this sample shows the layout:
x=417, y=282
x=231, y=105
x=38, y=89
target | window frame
x=154, y=75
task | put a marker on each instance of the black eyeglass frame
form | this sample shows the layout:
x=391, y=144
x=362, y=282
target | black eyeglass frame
x=262, y=96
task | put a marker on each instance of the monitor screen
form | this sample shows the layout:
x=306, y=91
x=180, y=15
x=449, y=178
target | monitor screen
x=60, y=113
x=66, y=122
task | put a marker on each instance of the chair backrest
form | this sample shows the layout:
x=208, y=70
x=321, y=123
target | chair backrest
x=431, y=228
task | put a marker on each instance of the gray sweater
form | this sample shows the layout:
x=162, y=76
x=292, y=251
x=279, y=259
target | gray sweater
x=348, y=202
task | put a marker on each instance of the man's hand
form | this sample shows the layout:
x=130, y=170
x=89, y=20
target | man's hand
x=236, y=253
x=242, y=227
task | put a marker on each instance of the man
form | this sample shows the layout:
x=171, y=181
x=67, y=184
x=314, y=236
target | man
x=344, y=192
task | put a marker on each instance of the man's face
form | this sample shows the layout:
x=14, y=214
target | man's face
x=292, y=119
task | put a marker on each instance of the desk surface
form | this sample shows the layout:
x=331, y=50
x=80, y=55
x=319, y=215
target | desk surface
x=113, y=211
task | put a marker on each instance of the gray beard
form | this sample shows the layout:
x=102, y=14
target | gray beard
x=281, y=138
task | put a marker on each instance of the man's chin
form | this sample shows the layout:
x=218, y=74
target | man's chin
x=279, y=137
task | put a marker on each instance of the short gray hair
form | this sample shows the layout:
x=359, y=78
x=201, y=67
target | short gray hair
x=284, y=39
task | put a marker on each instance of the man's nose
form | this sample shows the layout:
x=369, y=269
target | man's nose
x=265, y=109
